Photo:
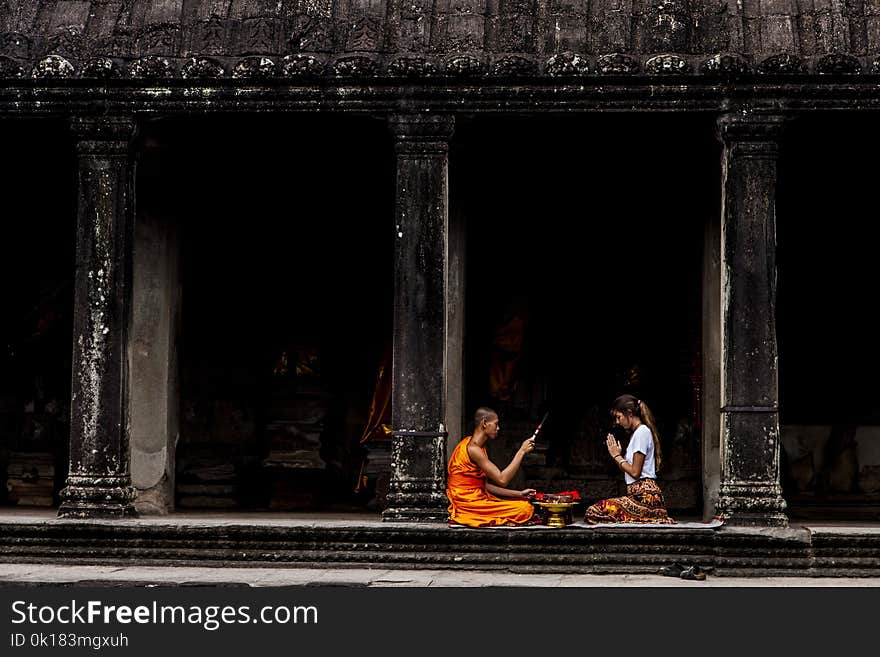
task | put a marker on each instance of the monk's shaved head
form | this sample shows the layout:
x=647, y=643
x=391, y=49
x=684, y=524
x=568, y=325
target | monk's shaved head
x=484, y=413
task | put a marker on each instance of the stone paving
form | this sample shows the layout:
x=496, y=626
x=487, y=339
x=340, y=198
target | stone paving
x=126, y=575
x=45, y=574
x=12, y=515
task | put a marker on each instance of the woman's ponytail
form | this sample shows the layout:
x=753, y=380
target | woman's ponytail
x=648, y=419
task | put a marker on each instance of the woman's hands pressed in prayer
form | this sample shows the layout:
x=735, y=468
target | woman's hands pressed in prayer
x=613, y=446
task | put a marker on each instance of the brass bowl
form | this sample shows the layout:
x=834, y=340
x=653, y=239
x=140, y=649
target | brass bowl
x=559, y=513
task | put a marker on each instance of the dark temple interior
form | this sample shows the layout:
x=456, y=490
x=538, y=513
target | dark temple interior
x=584, y=278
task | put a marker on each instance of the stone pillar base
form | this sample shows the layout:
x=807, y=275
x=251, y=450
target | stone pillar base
x=752, y=505
x=86, y=510
x=414, y=498
x=746, y=519
x=414, y=514
x=86, y=497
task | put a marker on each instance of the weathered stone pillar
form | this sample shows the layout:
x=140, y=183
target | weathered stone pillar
x=99, y=483
x=711, y=356
x=418, y=406
x=454, y=357
x=751, y=493
x=153, y=388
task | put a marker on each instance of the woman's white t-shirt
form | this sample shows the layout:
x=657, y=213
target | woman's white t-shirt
x=642, y=441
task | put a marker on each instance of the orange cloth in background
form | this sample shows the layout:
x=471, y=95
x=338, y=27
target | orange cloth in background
x=469, y=502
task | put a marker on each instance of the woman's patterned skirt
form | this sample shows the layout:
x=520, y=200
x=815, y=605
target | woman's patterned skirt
x=643, y=502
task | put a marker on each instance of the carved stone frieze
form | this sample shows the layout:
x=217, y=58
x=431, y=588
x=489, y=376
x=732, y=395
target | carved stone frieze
x=516, y=31
x=566, y=31
x=157, y=40
x=258, y=36
x=415, y=26
x=9, y=68
x=459, y=38
x=209, y=37
x=316, y=8
x=667, y=65
x=53, y=66
x=119, y=44
x=302, y=66
x=664, y=26
x=355, y=66
x=567, y=64
x=465, y=26
x=617, y=64
x=463, y=66
x=151, y=67
x=412, y=67
x=752, y=29
x=725, y=64
x=838, y=64
x=67, y=42
x=15, y=44
x=202, y=67
x=100, y=68
x=782, y=64
x=255, y=67
x=514, y=66
x=364, y=35
x=311, y=34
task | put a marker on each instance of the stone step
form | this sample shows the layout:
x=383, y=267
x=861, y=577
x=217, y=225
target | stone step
x=723, y=551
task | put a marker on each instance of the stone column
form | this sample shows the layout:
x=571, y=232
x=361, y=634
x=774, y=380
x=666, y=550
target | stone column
x=421, y=301
x=750, y=493
x=456, y=280
x=153, y=385
x=711, y=356
x=99, y=483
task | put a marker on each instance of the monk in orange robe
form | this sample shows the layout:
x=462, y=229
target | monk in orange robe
x=476, y=487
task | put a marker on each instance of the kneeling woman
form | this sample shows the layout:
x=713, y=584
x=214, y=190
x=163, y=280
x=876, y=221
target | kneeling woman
x=475, y=502
x=644, y=500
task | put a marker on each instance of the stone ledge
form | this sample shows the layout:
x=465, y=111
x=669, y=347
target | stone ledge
x=727, y=551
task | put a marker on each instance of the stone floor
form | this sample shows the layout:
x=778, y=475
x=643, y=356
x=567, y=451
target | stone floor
x=43, y=574
x=843, y=563
x=12, y=515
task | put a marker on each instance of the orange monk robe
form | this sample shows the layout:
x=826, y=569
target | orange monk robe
x=469, y=502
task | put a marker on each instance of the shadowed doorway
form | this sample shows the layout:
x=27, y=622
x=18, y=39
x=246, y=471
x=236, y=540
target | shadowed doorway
x=584, y=272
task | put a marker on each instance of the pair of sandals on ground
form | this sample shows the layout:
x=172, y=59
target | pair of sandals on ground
x=677, y=569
